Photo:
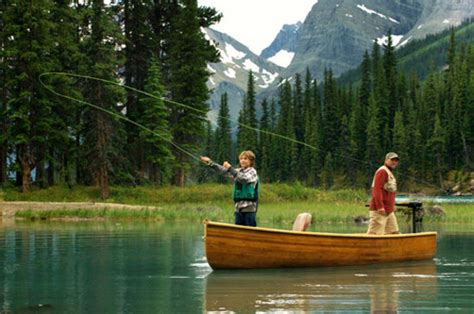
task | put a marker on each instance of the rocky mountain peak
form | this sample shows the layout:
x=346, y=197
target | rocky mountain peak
x=283, y=47
x=336, y=33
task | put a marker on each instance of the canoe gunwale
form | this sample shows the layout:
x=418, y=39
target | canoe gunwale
x=319, y=234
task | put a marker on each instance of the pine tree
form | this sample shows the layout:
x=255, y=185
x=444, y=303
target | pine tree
x=274, y=144
x=241, y=132
x=285, y=163
x=67, y=56
x=437, y=148
x=298, y=106
x=140, y=43
x=156, y=150
x=400, y=142
x=206, y=174
x=103, y=134
x=390, y=70
x=327, y=173
x=366, y=83
x=373, y=148
x=330, y=114
x=27, y=53
x=380, y=97
x=308, y=130
x=356, y=145
x=468, y=126
x=265, y=141
x=4, y=124
x=250, y=112
x=189, y=52
x=223, y=137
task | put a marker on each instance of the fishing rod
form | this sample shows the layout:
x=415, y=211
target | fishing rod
x=175, y=103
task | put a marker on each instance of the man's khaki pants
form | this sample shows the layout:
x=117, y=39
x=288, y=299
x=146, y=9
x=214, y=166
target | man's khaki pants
x=382, y=224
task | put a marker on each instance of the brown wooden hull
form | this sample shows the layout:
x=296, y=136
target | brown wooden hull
x=237, y=247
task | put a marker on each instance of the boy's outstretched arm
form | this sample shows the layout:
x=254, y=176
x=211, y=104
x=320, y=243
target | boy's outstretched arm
x=208, y=161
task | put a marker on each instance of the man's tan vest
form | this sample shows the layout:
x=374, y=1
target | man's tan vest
x=391, y=184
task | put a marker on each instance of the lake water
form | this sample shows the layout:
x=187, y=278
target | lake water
x=436, y=199
x=142, y=267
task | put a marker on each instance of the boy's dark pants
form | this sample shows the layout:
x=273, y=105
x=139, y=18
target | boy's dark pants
x=246, y=219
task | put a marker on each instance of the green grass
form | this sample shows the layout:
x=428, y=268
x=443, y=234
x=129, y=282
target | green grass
x=203, y=193
x=279, y=204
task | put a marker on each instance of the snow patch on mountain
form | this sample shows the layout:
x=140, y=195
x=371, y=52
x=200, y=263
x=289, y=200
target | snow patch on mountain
x=229, y=54
x=403, y=43
x=282, y=58
x=364, y=8
x=249, y=65
x=230, y=72
x=268, y=78
x=384, y=40
x=211, y=69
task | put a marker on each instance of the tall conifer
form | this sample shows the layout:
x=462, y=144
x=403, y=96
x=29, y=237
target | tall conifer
x=103, y=133
x=28, y=53
x=223, y=136
x=156, y=146
x=189, y=52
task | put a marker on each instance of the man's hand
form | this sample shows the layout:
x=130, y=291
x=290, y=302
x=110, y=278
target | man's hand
x=381, y=211
x=226, y=165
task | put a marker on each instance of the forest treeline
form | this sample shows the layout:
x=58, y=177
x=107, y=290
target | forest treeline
x=339, y=132
x=156, y=46
x=312, y=132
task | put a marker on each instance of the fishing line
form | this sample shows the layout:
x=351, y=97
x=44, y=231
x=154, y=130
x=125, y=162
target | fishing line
x=114, y=114
x=122, y=117
x=88, y=77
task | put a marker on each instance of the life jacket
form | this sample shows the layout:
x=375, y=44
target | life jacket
x=246, y=191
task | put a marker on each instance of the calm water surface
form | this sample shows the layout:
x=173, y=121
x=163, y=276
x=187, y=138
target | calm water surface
x=141, y=267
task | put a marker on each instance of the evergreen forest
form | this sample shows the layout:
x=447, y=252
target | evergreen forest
x=326, y=134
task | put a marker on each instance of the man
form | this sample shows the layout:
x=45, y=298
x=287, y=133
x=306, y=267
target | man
x=382, y=204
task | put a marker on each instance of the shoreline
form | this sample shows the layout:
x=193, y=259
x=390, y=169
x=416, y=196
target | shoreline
x=9, y=209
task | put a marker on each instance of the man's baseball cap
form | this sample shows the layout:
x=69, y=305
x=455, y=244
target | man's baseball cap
x=391, y=155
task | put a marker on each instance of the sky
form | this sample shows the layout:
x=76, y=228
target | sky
x=255, y=23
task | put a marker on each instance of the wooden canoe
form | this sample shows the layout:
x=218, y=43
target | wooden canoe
x=230, y=246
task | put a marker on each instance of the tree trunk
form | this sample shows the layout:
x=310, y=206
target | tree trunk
x=440, y=173
x=466, y=152
x=27, y=164
x=102, y=173
x=3, y=163
x=25, y=178
x=65, y=170
x=40, y=174
x=104, y=182
x=179, y=177
x=50, y=171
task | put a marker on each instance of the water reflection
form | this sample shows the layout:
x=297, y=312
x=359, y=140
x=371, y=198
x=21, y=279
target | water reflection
x=387, y=289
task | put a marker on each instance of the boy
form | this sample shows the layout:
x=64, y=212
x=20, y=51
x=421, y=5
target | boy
x=246, y=187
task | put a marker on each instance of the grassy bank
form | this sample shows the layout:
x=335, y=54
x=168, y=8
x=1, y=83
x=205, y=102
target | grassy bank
x=203, y=193
x=280, y=204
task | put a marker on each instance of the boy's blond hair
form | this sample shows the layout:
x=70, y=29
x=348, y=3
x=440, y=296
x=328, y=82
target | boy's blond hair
x=250, y=155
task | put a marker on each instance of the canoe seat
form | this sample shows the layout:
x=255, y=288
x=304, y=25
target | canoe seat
x=302, y=222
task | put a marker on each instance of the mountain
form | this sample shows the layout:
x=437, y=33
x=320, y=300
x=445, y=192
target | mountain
x=282, y=50
x=422, y=55
x=231, y=73
x=335, y=34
